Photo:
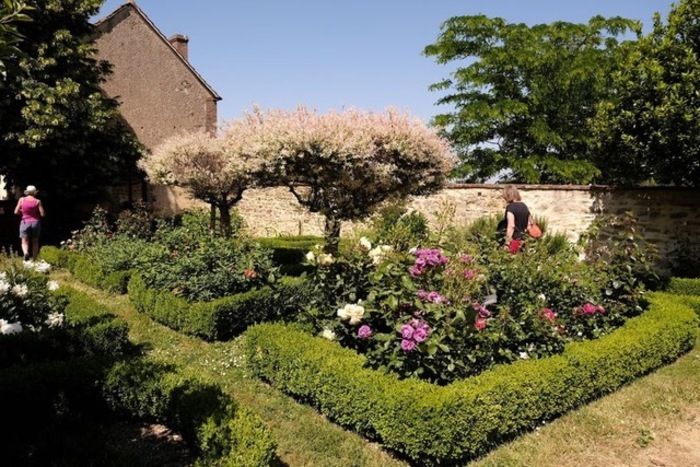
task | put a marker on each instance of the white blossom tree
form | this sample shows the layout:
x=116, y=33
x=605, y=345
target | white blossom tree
x=211, y=169
x=344, y=164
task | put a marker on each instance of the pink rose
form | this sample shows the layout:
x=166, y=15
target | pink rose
x=589, y=309
x=480, y=324
x=365, y=332
x=420, y=334
x=407, y=331
x=407, y=345
x=548, y=314
x=469, y=274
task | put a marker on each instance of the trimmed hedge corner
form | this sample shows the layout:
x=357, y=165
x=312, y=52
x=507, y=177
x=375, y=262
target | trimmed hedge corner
x=682, y=286
x=448, y=424
x=222, y=432
x=86, y=270
x=220, y=319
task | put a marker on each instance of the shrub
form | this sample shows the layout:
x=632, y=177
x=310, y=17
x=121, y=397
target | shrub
x=288, y=252
x=222, y=432
x=683, y=286
x=394, y=225
x=443, y=316
x=446, y=425
x=222, y=318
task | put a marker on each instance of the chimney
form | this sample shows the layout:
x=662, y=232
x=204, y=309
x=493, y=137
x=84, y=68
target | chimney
x=180, y=41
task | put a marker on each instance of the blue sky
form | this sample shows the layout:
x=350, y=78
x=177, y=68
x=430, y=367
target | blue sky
x=334, y=54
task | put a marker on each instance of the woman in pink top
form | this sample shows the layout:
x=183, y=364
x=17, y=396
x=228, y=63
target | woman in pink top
x=32, y=212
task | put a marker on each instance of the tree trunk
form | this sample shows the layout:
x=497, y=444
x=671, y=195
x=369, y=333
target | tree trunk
x=225, y=219
x=212, y=218
x=332, y=233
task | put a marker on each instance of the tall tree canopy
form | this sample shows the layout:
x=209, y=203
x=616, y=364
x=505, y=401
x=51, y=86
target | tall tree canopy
x=345, y=164
x=650, y=128
x=57, y=130
x=522, y=96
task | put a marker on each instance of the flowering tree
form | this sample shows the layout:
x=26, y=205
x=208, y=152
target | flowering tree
x=214, y=170
x=344, y=164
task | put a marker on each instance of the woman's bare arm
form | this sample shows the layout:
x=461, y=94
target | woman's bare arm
x=41, y=209
x=510, y=227
x=18, y=208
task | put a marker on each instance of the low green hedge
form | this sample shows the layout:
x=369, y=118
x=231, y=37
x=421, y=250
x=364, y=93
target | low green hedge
x=288, y=253
x=684, y=286
x=448, y=424
x=223, y=318
x=223, y=433
x=86, y=270
x=90, y=330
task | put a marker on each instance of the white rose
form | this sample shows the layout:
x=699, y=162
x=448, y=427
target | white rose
x=328, y=334
x=524, y=355
x=413, y=250
x=351, y=312
x=3, y=276
x=378, y=253
x=55, y=320
x=20, y=290
x=10, y=328
x=310, y=257
x=52, y=285
x=4, y=287
x=542, y=297
x=325, y=259
x=42, y=267
x=365, y=243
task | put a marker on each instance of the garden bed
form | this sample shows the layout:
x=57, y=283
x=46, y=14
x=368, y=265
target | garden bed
x=446, y=424
x=218, y=319
x=84, y=373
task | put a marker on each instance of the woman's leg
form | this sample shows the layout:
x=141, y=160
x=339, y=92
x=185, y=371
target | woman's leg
x=35, y=247
x=25, y=247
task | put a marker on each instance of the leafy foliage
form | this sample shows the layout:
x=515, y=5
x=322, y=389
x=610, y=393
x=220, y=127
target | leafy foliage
x=448, y=425
x=649, y=127
x=11, y=12
x=345, y=164
x=53, y=114
x=522, y=105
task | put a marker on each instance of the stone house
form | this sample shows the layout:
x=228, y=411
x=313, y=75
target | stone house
x=159, y=91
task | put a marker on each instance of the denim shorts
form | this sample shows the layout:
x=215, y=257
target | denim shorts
x=29, y=229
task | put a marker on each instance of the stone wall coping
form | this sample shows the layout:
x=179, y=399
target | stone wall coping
x=492, y=186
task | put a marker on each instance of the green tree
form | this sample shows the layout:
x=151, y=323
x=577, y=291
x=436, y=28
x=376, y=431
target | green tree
x=57, y=130
x=11, y=12
x=650, y=129
x=522, y=95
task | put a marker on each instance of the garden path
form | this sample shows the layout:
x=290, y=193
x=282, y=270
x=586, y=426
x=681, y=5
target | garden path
x=654, y=421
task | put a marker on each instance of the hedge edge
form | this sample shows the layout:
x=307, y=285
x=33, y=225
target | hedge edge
x=437, y=425
x=683, y=286
x=219, y=319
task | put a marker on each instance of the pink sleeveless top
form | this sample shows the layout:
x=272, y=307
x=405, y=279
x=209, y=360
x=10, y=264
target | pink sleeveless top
x=30, y=210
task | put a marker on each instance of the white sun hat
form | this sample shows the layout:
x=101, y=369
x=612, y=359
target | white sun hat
x=31, y=190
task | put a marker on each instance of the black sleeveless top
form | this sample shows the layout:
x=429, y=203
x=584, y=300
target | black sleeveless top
x=521, y=214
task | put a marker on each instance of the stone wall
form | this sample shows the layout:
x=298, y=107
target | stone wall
x=665, y=214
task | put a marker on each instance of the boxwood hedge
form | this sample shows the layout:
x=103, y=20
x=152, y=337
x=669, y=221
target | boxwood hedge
x=223, y=433
x=684, y=286
x=448, y=424
x=219, y=319
x=86, y=270
x=288, y=252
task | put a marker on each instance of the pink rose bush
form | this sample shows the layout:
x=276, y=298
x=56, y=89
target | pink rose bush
x=442, y=314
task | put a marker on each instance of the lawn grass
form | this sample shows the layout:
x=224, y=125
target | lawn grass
x=304, y=436
x=653, y=421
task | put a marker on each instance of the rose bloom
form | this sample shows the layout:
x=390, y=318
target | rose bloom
x=365, y=332
x=548, y=314
x=588, y=309
x=469, y=274
x=420, y=334
x=480, y=324
x=250, y=273
x=407, y=345
x=407, y=331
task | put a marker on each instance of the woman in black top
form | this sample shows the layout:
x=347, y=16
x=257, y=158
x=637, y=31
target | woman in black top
x=517, y=219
